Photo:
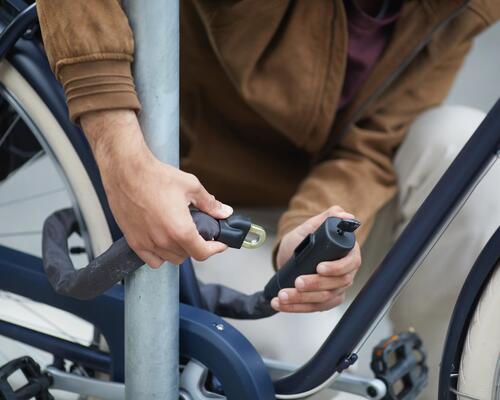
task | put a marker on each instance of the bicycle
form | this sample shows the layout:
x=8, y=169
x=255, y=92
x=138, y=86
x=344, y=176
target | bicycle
x=217, y=360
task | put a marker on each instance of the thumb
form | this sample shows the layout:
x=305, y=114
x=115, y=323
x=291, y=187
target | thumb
x=313, y=223
x=207, y=203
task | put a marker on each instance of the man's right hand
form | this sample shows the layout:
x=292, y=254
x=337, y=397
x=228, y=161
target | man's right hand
x=149, y=199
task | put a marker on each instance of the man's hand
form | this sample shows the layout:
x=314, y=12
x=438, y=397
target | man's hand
x=150, y=200
x=326, y=289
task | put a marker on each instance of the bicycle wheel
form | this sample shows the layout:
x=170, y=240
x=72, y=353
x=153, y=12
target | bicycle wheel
x=479, y=376
x=34, y=183
x=31, y=108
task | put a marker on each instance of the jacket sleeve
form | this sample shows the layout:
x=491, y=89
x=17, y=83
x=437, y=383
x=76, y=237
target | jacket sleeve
x=488, y=10
x=90, y=48
x=359, y=175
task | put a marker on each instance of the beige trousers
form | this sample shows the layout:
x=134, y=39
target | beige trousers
x=427, y=301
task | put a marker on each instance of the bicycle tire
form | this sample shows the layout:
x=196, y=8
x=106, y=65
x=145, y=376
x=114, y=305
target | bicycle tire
x=479, y=374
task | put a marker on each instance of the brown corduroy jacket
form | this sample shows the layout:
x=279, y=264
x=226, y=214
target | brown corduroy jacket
x=260, y=84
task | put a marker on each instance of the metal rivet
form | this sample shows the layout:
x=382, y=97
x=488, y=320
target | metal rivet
x=219, y=327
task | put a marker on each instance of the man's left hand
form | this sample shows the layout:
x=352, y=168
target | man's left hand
x=325, y=289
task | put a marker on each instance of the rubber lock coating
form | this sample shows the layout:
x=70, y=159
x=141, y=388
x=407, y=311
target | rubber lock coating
x=327, y=243
x=231, y=231
x=119, y=260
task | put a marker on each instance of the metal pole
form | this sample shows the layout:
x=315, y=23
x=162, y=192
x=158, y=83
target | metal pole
x=152, y=296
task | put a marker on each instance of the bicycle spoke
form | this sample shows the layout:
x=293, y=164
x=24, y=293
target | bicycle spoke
x=48, y=321
x=28, y=305
x=32, y=197
x=9, y=130
x=22, y=233
x=28, y=163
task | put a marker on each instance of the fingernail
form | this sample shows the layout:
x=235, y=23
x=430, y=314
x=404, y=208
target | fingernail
x=283, y=296
x=299, y=283
x=275, y=303
x=322, y=269
x=227, y=210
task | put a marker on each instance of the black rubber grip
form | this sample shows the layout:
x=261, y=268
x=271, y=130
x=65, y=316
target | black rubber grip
x=231, y=231
x=328, y=243
x=207, y=226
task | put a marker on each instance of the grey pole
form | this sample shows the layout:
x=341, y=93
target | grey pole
x=152, y=296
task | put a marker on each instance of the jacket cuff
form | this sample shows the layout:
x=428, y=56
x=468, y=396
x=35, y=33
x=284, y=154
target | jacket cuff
x=98, y=85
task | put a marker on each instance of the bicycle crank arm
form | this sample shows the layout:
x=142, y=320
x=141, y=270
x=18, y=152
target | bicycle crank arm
x=85, y=386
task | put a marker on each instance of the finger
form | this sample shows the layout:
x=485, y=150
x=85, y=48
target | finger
x=165, y=243
x=349, y=263
x=293, y=296
x=170, y=256
x=197, y=247
x=314, y=283
x=182, y=230
x=337, y=211
x=150, y=258
x=275, y=303
x=314, y=223
x=344, y=215
x=307, y=307
x=206, y=202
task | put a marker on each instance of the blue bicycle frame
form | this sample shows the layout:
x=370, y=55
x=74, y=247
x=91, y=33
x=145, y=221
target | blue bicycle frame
x=227, y=353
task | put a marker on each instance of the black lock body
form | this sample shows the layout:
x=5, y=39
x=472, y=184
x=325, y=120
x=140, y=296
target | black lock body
x=328, y=243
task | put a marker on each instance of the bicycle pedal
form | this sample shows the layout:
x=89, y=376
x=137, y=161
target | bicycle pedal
x=399, y=361
x=37, y=385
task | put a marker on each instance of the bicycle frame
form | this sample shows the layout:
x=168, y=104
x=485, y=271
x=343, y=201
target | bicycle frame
x=377, y=293
x=16, y=269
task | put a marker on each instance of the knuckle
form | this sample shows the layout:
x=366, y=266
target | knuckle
x=212, y=202
x=201, y=255
x=335, y=269
x=346, y=280
x=134, y=243
x=335, y=210
x=174, y=226
x=192, y=181
x=311, y=283
x=183, y=233
x=357, y=259
x=326, y=296
x=295, y=297
x=139, y=243
x=201, y=258
x=316, y=283
x=339, y=299
x=161, y=241
x=153, y=263
x=177, y=260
